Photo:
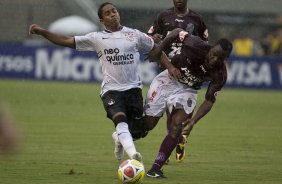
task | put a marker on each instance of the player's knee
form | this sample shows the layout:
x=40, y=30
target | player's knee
x=137, y=128
x=119, y=118
x=150, y=122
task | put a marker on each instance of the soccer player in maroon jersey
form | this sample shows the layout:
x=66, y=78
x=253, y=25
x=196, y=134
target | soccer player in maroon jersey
x=176, y=88
x=178, y=16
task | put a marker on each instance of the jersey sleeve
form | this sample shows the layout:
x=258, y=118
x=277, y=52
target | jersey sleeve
x=145, y=43
x=85, y=42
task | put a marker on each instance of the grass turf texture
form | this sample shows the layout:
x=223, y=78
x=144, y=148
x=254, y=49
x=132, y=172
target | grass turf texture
x=67, y=138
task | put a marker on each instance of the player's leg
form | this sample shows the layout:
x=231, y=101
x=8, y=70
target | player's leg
x=118, y=150
x=186, y=99
x=180, y=147
x=155, y=103
x=115, y=106
x=134, y=107
x=124, y=136
x=168, y=124
x=180, y=102
x=168, y=144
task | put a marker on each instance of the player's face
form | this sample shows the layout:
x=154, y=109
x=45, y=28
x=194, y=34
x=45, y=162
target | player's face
x=215, y=56
x=110, y=16
x=180, y=3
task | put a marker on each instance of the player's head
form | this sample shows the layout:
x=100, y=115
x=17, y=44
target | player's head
x=109, y=15
x=180, y=4
x=219, y=52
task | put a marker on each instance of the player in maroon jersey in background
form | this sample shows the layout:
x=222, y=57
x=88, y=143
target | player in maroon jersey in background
x=179, y=16
x=177, y=87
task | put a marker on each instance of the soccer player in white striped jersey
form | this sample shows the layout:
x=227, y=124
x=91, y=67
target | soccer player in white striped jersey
x=118, y=48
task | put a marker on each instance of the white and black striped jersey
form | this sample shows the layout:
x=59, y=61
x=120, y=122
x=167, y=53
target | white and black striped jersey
x=119, y=55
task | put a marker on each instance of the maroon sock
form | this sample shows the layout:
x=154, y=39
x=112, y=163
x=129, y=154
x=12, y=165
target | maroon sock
x=166, y=148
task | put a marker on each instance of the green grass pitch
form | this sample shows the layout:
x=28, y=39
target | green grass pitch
x=67, y=138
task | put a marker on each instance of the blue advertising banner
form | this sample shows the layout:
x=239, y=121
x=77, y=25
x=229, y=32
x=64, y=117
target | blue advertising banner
x=57, y=63
x=63, y=64
x=265, y=73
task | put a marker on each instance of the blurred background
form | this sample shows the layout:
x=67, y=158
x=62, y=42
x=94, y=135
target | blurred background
x=258, y=21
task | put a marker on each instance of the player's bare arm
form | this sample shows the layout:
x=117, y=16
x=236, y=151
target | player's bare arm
x=156, y=37
x=66, y=41
x=156, y=54
x=173, y=71
x=201, y=112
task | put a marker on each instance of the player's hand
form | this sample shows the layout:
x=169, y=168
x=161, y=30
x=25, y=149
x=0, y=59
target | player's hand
x=182, y=35
x=34, y=29
x=157, y=38
x=187, y=126
x=174, y=73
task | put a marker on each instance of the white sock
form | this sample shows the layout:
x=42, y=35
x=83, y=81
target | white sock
x=125, y=139
x=115, y=137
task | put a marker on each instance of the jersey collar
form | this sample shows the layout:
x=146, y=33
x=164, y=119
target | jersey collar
x=108, y=31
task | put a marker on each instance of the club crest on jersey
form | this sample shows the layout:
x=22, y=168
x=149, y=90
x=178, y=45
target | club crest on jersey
x=111, y=102
x=189, y=102
x=190, y=28
x=129, y=36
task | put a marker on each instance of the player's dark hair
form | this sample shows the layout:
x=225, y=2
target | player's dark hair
x=226, y=45
x=100, y=9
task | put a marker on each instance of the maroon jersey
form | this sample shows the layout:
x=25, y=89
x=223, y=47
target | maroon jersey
x=191, y=64
x=191, y=22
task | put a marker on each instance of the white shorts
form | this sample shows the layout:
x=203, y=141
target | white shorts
x=165, y=93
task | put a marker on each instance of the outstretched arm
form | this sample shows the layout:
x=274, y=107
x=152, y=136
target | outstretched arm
x=201, y=112
x=66, y=41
